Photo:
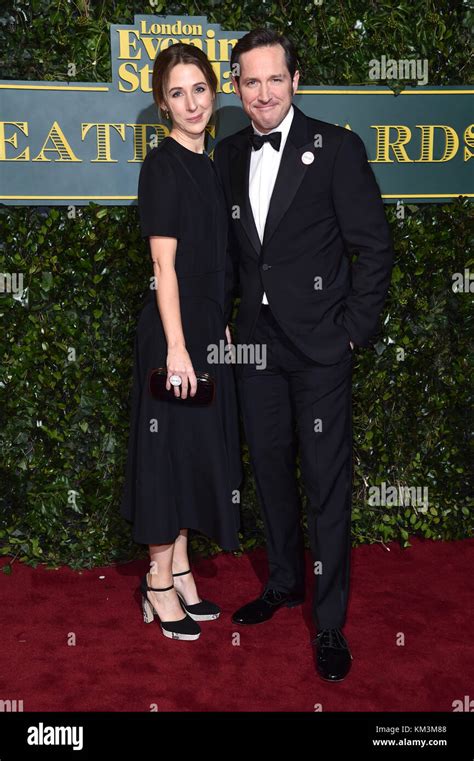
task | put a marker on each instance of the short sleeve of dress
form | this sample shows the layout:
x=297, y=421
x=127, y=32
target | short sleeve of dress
x=158, y=198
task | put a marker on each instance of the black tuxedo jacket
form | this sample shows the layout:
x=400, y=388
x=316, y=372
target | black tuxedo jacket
x=326, y=257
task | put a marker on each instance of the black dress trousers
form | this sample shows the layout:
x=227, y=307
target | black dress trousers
x=296, y=394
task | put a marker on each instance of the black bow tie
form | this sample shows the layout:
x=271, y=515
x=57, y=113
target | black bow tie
x=272, y=137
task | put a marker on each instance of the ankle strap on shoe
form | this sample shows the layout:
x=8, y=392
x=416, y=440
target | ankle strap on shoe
x=156, y=589
x=159, y=589
x=182, y=573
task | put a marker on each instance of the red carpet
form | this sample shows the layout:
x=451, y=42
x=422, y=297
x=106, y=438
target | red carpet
x=119, y=663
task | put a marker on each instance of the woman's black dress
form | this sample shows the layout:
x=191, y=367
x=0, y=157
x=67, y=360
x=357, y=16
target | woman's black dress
x=183, y=464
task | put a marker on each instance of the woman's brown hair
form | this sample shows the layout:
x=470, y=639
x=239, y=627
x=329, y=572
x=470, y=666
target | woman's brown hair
x=180, y=52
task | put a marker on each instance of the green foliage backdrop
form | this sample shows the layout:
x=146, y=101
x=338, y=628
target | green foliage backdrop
x=86, y=274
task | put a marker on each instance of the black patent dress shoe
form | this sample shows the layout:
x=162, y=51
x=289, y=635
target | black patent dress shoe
x=333, y=657
x=264, y=607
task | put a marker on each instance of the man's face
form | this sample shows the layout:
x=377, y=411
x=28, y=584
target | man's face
x=265, y=86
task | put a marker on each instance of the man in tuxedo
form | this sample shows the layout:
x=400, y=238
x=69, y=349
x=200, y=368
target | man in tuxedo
x=310, y=255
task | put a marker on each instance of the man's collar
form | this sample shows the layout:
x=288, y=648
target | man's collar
x=283, y=127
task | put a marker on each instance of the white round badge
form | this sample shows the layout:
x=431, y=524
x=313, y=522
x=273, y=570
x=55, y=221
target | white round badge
x=307, y=157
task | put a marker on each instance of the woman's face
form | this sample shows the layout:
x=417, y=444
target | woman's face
x=189, y=99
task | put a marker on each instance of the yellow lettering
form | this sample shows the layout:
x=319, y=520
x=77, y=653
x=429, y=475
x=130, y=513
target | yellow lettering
x=13, y=140
x=60, y=146
x=103, y=140
x=383, y=143
x=451, y=143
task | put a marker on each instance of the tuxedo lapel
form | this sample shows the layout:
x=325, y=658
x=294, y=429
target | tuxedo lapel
x=240, y=170
x=290, y=174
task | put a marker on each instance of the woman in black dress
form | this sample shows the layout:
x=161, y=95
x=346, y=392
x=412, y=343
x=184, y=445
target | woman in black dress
x=183, y=465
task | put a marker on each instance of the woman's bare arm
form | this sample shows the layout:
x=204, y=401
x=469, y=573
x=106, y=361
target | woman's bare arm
x=163, y=254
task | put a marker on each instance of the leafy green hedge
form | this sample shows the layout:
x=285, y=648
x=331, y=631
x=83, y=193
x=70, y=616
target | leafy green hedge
x=85, y=276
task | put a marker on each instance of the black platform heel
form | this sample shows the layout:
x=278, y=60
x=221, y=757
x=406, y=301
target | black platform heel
x=185, y=628
x=200, y=611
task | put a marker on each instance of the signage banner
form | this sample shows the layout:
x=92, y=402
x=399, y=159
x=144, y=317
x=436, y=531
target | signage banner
x=64, y=143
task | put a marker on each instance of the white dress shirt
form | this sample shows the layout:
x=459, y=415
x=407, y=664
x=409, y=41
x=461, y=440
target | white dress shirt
x=264, y=165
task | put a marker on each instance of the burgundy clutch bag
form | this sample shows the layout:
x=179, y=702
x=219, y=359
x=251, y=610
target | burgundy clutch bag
x=206, y=388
